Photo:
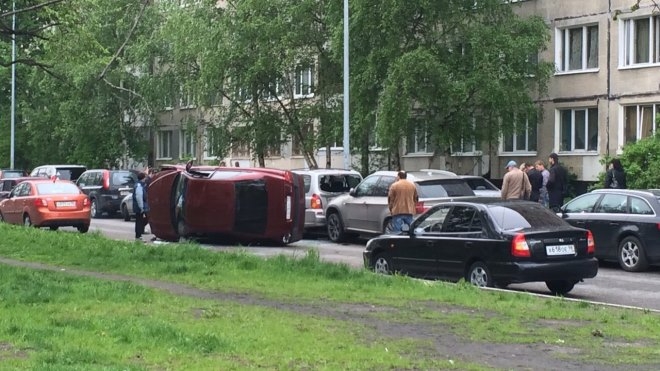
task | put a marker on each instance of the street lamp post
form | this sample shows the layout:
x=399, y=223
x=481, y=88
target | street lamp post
x=346, y=144
x=13, y=83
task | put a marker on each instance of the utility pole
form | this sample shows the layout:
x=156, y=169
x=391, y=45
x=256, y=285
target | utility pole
x=346, y=144
x=13, y=84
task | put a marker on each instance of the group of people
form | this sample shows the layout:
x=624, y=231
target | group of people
x=536, y=183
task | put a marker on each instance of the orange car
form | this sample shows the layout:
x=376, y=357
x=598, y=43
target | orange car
x=47, y=203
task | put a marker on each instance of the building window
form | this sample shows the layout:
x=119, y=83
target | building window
x=304, y=82
x=523, y=138
x=297, y=146
x=641, y=41
x=272, y=91
x=213, y=142
x=419, y=141
x=639, y=121
x=164, y=142
x=186, y=98
x=188, y=144
x=240, y=148
x=578, y=129
x=577, y=48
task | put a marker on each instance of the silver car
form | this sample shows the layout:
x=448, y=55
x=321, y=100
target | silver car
x=365, y=209
x=321, y=186
x=482, y=186
x=127, y=207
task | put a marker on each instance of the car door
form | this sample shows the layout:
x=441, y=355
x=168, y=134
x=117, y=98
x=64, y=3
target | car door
x=377, y=204
x=579, y=212
x=9, y=209
x=354, y=210
x=161, y=205
x=457, y=240
x=24, y=203
x=609, y=219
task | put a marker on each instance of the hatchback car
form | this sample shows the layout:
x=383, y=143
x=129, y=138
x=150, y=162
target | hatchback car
x=47, y=203
x=228, y=204
x=321, y=186
x=365, y=209
x=625, y=224
x=62, y=172
x=106, y=189
x=488, y=242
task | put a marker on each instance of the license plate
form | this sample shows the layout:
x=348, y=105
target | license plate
x=65, y=203
x=560, y=250
x=288, y=207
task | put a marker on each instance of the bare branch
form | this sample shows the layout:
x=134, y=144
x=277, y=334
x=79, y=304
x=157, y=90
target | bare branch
x=145, y=3
x=30, y=8
x=132, y=92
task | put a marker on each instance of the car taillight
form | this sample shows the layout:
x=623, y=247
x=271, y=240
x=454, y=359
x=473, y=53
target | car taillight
x=591, y=245
x=519, y=246
x=106, y=179
x=419, y=208
x=85, y=201
x=40, y=202
x=316, y=202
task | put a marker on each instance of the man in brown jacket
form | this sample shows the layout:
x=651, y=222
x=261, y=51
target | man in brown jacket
x=401, y=199
x=515, y=185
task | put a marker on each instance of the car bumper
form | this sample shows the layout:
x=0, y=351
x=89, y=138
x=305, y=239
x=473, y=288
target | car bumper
x=63, y=218
x=314, y=219
x=110, y=203
x=519, y=272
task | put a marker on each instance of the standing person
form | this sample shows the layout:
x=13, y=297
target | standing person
x=543, y=197
x=515, y=185
x=401, y=199
x=557, y=183
x=140, y=206
x=536, y=180
x=616, y=175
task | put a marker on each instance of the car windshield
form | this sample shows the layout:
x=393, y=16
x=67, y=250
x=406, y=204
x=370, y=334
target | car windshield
x=123, y=178
x=524, y=215
x=443, y=188
x=337, y=183
x=57, y=189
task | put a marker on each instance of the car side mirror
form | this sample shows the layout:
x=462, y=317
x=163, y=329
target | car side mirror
x=352, y=192
x=419, y=231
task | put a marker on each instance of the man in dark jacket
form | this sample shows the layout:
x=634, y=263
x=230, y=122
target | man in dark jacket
x=536, y=180
x=616, y=176
x=140, y=206
x=557, y=183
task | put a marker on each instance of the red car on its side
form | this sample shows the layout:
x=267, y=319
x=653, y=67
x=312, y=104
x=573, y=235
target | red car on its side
x=228, y=204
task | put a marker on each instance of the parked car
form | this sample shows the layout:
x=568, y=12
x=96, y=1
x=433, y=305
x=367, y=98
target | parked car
x=321, y=186
x=488, y=242
x=482, y=186
x=232, y=204
x=7, y=184
x=365, y=209
x=47, y=203
x=126, y=207
x=62, y=172
x=625, y=224
x=12, y=173
x=106, y=189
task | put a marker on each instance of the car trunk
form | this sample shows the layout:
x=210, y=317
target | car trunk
x=553, y=245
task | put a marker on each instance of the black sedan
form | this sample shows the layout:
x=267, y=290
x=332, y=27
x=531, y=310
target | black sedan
x=625, y=224
x=488, y=242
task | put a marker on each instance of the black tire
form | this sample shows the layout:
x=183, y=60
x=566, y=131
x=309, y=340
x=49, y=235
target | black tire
x=83, y=228
x=479, y=275
x=94, y=209
x=53, y=227
x=124, y=213
x=27, y=221
x=560, y=287
x=2, y=218
x=382, y=264
x=335, y=226
x=632, y=257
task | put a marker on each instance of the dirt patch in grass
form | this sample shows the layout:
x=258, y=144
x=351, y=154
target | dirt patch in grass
x=8, y=351
x=441, y=342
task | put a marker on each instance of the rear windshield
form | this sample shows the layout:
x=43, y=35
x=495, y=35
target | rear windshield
x=308, y=182
x=480, y=184
x=69, y=173
x=337, y=183
x=12, y=173
x=57, y=189
x=524, y=215
x=123, y=178
x=443, y=188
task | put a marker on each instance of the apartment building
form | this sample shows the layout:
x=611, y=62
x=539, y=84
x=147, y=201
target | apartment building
x=604, y=94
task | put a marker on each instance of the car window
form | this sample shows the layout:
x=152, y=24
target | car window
x=480, y=184
x=338, y=183
x=444, y=188
x=307, y=179
x=12, y=174
x=367, y=187
x=582, y=204
x=383, y=186
x=460, y=220
x=613, y=204
x=524, y=215
x=640, y=206
x=57, y=188
x=26, y=190
x=432, y=221
x=123, y=178
x=16, y=191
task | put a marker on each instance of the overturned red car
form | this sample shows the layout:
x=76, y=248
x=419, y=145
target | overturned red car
x=230, y=205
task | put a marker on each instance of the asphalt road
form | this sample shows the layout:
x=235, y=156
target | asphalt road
x=612, y=285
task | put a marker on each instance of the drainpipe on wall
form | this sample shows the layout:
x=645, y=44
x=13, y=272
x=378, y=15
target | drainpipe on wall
x=609, y=76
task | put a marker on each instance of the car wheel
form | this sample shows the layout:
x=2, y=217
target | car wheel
x=336, y=228
x=96, y=213
x=382, y=265
x=631, y=255
x=2, y=218
x=83, y=228
x=124, y=213
x=479, y=275
x=53, y=227
x=560, y=288
x=27, y=221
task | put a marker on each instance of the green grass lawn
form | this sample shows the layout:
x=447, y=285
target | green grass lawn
x=276, y=313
